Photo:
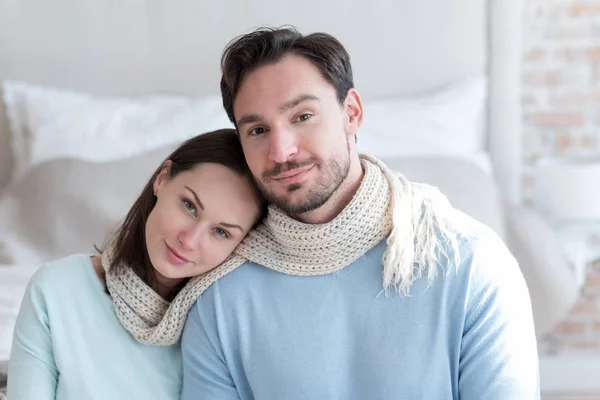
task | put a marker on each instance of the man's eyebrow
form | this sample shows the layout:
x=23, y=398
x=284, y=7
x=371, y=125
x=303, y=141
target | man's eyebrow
x=248, y=119
x=294, y=102
x=195, y=197
x=251, y=118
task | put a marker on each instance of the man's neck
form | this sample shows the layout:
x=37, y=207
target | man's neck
x=339, y=199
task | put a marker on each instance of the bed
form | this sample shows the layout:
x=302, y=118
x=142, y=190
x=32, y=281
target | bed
x=92, y=89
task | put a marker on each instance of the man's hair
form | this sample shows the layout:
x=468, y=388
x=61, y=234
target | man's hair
x=266, y=45
x=129, y=240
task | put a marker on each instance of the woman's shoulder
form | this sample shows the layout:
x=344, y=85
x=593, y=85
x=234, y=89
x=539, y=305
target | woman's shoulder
x=76, y=267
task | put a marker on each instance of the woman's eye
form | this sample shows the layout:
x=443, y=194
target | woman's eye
x=189, y=205
x=256, y=131
x=221, y=232
x=303, y=117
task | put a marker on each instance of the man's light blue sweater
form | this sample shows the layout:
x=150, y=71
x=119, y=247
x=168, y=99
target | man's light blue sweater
x=469, y=334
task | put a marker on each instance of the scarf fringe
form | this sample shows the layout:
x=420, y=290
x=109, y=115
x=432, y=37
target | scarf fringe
x=422, y=230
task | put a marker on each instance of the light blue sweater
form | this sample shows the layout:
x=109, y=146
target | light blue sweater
x=69, y=344
x=260, y=334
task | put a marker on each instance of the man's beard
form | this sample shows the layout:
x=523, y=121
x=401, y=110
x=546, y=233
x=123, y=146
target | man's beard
x=335, y=172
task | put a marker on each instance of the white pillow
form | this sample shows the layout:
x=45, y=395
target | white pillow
x=448, y=122
x=49, y=123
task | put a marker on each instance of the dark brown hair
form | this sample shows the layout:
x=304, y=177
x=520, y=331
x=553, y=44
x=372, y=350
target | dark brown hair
x=266, y=45
x=129, y=240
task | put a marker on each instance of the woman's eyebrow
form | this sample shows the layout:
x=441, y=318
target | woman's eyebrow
x=195, y=197
x=228, y=225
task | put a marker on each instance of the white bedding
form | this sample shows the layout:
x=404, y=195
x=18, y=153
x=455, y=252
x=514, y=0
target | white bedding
x=13, y=281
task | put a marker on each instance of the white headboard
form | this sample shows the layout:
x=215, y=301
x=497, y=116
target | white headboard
x=135, y=47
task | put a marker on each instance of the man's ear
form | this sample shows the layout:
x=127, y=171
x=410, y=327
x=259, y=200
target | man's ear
x=162, y=176
x=353, y=109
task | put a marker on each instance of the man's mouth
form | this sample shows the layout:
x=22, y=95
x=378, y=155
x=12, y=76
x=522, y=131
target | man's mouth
x=293, y=175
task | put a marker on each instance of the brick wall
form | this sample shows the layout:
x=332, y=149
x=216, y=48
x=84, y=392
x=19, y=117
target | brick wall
x=561, y=113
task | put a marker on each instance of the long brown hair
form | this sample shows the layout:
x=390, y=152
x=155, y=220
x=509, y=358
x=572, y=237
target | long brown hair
x=268, y=45
x=129, y=240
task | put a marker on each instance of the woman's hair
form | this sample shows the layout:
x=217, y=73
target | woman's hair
x=129, y=239
x=267, y=45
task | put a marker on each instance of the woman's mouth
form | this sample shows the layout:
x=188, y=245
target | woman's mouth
x=174, y=256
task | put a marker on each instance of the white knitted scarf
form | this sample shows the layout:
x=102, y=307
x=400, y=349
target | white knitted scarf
x=415, y=218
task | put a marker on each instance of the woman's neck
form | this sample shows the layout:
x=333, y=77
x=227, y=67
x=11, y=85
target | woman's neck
x=97, y=263
x=164, y=286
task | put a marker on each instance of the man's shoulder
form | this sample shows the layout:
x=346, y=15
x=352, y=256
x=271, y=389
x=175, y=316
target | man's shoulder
x=247, y=271
x=242, y=278
x=474, y=236
x=483, y=253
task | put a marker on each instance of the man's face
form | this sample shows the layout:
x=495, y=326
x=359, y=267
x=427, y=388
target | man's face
x=293, y=132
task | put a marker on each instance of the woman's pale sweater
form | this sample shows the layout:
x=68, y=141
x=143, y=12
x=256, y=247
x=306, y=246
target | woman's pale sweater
x=69, y=345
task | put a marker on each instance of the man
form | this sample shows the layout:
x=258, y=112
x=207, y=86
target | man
x=361, y=285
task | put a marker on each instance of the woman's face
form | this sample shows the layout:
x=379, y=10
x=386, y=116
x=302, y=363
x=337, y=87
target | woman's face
x=200, y=216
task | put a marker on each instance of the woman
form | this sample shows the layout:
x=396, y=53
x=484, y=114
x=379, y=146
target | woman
x=73, y=339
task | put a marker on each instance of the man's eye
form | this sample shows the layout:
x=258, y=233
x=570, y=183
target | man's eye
x=256, y=131
x=303, y=117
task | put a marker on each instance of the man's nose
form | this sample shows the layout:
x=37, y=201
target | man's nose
x=283, y=145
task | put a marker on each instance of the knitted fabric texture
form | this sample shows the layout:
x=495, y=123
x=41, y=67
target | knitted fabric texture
x=415, y=218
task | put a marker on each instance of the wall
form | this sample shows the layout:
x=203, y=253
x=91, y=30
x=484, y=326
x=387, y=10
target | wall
x=561, y=107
